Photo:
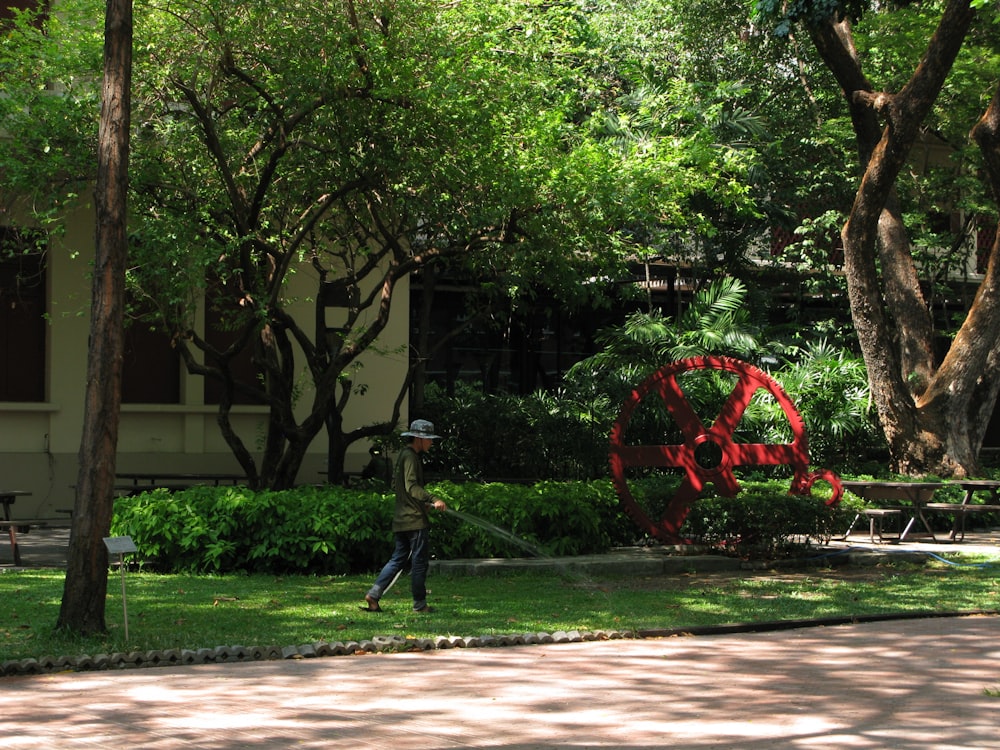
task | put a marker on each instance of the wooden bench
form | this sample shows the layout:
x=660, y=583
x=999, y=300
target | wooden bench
x=128, y=490
x=966, y=508
x=961, y=511
x=172, y=482
x=876, y=522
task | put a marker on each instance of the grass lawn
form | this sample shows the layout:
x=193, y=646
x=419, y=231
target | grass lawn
x=192, y=612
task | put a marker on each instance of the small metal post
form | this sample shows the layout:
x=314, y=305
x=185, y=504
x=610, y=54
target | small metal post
x=121, y=566
x=121, y=545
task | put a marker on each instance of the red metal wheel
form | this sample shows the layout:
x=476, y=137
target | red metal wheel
x=707, y=454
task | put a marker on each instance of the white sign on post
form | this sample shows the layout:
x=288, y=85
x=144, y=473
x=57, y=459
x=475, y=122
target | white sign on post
x=119, y=545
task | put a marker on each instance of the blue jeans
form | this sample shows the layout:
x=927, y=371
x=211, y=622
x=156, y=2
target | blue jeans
x=412, y=546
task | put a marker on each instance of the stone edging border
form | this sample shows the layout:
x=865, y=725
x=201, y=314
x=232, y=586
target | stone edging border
x=233, y=654
x=397, y=643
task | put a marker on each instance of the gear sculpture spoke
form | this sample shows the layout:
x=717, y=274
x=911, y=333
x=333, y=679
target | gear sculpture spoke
x=708, y=454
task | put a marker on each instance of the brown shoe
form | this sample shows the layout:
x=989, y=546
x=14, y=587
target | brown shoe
x=373, y=605
x=424, y=609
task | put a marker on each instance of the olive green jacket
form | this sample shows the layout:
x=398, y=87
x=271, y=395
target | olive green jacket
x=412, y=499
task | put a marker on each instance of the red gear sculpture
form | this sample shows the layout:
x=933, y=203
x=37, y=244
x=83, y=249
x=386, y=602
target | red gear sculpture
x=716, y=442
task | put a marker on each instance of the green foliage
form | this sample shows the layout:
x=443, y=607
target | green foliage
x=505, y=436
x=333, y=530
x=829, y=387
x=815, y=246
x=561, y=518
x=336, y=530
x=717, y=321
x=765, y=521
x=785, y=14
x=49, y=108
x=548, y=141
x=565, y=435
x=220, y=529
x=461, y=133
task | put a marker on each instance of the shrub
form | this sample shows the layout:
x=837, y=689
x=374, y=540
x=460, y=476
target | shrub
x=765, y=521
x=557, y=518
x=220, y=529
x=336, y=530
x=564, y=436
x=333, y=530
x=508, y=437
x=829, y=387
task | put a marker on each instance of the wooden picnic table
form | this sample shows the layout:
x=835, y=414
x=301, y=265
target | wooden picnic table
x=7, y=498
x=917, y=496
x=894, y=498
x=140, y=481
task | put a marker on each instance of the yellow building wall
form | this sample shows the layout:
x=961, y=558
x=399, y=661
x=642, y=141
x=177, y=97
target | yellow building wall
x=40, y=442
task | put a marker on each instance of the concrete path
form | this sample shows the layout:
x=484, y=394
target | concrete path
x=929, y=684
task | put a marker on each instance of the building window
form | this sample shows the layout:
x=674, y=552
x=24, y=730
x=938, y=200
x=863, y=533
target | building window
x=22, y=316
x=151, y=368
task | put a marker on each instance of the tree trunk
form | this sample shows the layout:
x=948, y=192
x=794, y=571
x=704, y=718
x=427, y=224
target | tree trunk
x=336, y=450
x=233, y=440
x=965, y=390
x=929, y=414
x=85, y=588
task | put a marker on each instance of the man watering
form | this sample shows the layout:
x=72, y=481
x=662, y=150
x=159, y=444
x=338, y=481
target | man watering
x=410, y=523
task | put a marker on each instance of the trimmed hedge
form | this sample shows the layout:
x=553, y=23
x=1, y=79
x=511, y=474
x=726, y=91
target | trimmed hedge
x=336, y=530
x=765, y=522
x=558, y=518
x=333, y=530
x=222, y=529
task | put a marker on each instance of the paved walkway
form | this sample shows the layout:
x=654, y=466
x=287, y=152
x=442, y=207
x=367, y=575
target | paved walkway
x=912, y=684
x=932, y=684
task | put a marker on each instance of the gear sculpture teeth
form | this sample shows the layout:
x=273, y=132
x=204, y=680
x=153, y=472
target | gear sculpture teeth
x=707, y=454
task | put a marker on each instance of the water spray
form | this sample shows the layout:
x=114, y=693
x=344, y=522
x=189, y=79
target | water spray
x=531, y=548
x=509, y=536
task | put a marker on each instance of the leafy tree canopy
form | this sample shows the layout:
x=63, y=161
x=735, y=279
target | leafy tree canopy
x=49, y=110
x=360, y=141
